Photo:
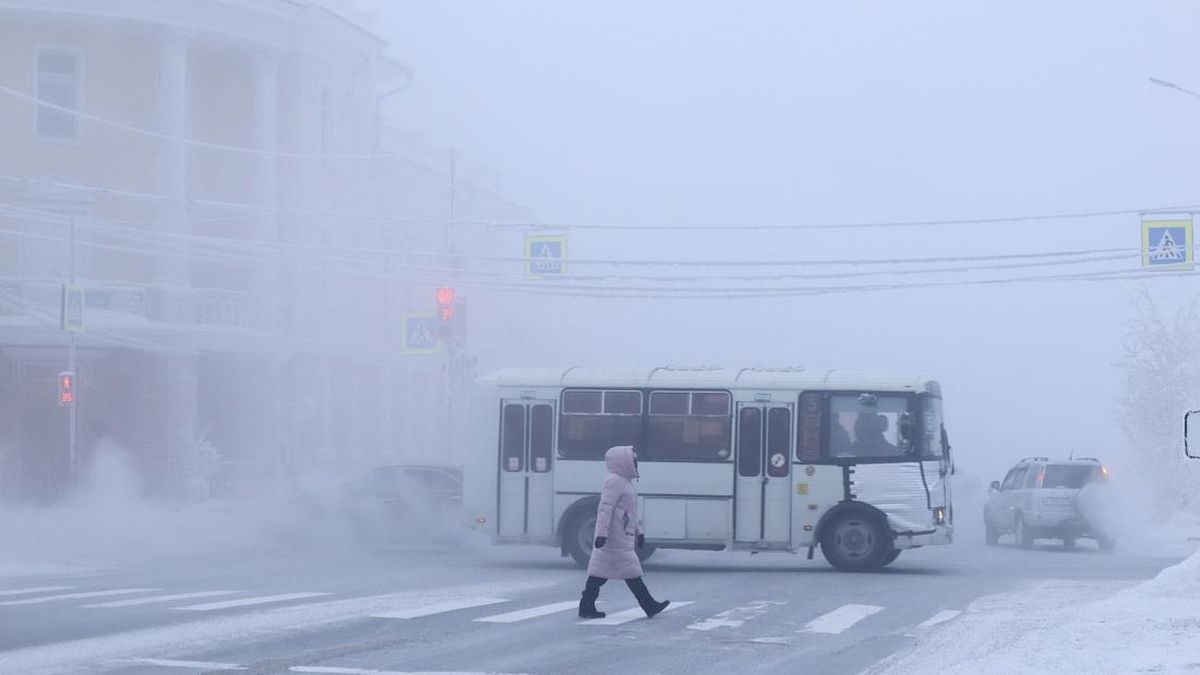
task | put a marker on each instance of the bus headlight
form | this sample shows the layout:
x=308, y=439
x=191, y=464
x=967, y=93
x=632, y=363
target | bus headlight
x=939, y=515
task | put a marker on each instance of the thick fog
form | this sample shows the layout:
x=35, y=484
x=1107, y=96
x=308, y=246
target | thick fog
x=945, y=190
x=777, y=114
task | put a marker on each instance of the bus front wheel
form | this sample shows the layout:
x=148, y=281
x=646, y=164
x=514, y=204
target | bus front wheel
x=579, y=539
x=855, y=541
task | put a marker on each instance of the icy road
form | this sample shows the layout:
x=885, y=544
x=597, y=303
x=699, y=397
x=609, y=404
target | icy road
x=512, y=610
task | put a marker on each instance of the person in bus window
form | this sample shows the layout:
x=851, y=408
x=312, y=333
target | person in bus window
x=869, y=438
x=618, y=536
x=839, y=440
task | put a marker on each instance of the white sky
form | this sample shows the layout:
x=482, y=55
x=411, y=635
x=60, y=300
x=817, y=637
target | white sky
x=692, y=112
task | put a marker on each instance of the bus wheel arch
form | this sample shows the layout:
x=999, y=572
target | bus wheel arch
x=576, y=529
x=855, y=537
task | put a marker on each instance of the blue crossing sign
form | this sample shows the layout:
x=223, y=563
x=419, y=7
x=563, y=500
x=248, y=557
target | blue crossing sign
x=421, y=333
x=1167, y=244
x=545, y=256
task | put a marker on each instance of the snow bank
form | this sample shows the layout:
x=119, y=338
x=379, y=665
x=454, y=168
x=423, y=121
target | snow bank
x=1061, y=627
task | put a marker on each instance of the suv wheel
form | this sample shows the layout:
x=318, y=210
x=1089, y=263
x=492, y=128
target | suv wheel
x=990, y=534
x=1023, y=535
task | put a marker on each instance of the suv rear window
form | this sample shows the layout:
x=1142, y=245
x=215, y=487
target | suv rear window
x=1068, y=476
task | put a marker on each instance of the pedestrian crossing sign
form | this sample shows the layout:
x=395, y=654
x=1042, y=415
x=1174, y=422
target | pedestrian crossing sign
x=545, y=256
x=1167, y=244
x=421, y=333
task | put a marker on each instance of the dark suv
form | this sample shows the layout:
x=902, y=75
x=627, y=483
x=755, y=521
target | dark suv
x=1044, y=499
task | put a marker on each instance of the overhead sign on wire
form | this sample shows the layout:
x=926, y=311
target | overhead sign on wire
x=72, y=308
x=545, y=256
x=1167, y=243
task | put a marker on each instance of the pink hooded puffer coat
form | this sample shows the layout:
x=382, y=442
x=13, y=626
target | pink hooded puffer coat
x=617, y=519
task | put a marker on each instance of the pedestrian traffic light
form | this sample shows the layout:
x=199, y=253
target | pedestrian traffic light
x=66, y=388
x=445, y=303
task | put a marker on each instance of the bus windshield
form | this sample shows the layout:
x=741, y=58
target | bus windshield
x=866, y=426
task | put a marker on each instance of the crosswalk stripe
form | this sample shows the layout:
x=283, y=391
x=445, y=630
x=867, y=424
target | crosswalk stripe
x=531, y=613
x=78, y=596
x=841, y=618
x=734, y=618
x=194, y=665
x=941, y=617
x=628, y=615
x=29, y=591
x=247, y=602
x=438, y=608
x=160, y=598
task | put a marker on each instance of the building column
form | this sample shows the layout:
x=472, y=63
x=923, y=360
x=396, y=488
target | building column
x=173, y=103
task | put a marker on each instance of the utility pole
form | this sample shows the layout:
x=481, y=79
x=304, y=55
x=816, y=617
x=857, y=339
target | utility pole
x=74, y=453
x=451, y=347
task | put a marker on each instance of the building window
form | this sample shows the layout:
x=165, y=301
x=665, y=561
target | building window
x=58, y=75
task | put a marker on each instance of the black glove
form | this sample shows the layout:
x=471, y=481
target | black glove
x=641, y=540
x=601, y=541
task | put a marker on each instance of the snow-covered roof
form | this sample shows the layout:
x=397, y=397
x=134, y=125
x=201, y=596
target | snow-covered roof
x=708, y=377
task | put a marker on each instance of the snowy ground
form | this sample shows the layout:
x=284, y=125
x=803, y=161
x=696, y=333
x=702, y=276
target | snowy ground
x=1074, y=626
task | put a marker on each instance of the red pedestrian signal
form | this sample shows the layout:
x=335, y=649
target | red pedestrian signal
x=66, y=388
x=446, y=312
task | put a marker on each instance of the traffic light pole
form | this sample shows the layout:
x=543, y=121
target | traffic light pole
x=72, y=443
x=451, y=349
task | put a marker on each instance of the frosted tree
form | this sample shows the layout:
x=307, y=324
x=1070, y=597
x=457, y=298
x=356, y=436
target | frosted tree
x=1161, y=364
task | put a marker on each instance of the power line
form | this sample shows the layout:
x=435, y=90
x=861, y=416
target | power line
x=542, y=225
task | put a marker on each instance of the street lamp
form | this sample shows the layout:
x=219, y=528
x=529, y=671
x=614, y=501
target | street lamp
x=1172, y=85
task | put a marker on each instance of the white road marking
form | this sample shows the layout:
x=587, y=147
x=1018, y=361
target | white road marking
x=628, y=615
x=336, y=670
x=840, y=619
x=161, y=598
x=28, y=591
x=437, y=608
x=734, y=618
x=247, y=602
x=194, y=665
x=941, y=617
x=531, y=613
x=78, y=596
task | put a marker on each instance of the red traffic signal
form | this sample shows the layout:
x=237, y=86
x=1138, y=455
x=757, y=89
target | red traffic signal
x=445, y=296
x=66, y=387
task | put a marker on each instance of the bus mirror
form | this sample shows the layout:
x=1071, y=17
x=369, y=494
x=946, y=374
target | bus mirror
x=995, y=486
x=906, y=427
x=1187, y=424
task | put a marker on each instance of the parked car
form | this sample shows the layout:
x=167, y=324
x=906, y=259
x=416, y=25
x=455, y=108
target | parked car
x=406, y=504
x=1044, y=499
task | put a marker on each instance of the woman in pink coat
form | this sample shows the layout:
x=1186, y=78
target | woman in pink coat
x=618, y=536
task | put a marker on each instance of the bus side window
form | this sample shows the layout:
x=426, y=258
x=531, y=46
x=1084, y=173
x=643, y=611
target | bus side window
x=512, y=438
x=693, y=426
x=592, y=421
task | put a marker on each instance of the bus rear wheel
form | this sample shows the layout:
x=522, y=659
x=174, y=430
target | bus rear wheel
x=855, y=541
x=579, y=538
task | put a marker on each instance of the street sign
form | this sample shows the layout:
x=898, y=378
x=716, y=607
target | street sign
x=421, y=333
x=545, y=256
x=1167, y=244
x=72, y=308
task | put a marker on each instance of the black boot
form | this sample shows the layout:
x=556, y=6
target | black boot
x=649, y=605
x=587, y=603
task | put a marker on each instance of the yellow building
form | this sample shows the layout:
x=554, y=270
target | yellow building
x=212, y=174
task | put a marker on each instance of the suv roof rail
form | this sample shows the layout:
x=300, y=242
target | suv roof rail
x=1036, y=459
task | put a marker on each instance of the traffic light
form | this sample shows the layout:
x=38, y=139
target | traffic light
x=66, y=388
x=450, y=314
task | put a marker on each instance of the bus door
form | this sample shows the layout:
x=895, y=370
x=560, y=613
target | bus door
x=763, y=506
x=526, y=495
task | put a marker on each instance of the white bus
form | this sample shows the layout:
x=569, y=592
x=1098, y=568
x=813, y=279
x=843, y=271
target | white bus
x=744, y=460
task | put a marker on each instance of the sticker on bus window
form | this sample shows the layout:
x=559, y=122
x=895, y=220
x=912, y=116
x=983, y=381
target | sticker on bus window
x=539, y=464
x=778, y=460
x=514, y=463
